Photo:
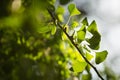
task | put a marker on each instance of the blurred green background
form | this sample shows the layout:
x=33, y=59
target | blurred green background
x=26, y=52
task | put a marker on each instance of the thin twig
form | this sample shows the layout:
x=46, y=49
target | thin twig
x=69, y=37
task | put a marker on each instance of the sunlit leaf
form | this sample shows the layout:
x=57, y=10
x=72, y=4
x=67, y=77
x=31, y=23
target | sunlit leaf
x=74, y=24
x=100, y=56
x=60, y=17
x=95, y=40
x=44, y=29
x=79, y=57
x=78, y=66
x=81, y=34
x=53, y=31
x=60, y=10
x=89, y=56
x=73, y=10
x=64, y=37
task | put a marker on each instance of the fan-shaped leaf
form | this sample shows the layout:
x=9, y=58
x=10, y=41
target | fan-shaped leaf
x=95, y=40
x=60, y=10
x=100, y=56
x=78, y=66
x=93, y=27
x=81, y=34
x=85, y=21
x=73, y=10
x=74, y=24
x=89, y=56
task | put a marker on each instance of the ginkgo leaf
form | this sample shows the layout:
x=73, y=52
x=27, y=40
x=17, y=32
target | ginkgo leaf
x=74, y=24
x=100, y=56
x=60, y=17
x=64, y=37
x=89, y=56
x=81, y=34
x=78, y=66
x=86, y=76
x=73, y=10
x=85, y=21
x=53, y=30
x=60, y=10
x=93, y=27
x=44, y=28
x=94, y=41
x=79, y=57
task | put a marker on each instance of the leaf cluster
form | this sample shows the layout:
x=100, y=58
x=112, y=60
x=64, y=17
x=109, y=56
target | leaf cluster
x=84, y=36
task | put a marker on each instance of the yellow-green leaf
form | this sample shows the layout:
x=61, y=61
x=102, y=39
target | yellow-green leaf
x=53, y=30
x=81, y=34
x=73, y=10
x=60, y=10
x=44, y=28
x=89, y=56
x=74, y=24
x=64, y=37
x=60, y=17
x=86, y=77
x=78, y=66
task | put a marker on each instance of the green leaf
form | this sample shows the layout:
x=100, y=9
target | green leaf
x=81, y=34
x=88, y=67
x=93, y=27
x=78, y=66
x=86, y=77
x=60, y=10
x=53, y=30
x=85, y=21
x=74, y=24
x=100, y=56
x=60, y=17
x=43, y=28
x=94, y=41
x=83, y=28
x=73, y=10
x=12, y=21
x=89, y=56
x=64, y=37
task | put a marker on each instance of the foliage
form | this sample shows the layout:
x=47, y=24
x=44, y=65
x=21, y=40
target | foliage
x=81, y=42
x=30, y=41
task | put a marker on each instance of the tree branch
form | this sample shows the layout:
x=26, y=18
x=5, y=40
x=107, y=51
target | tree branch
x=75, y=45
